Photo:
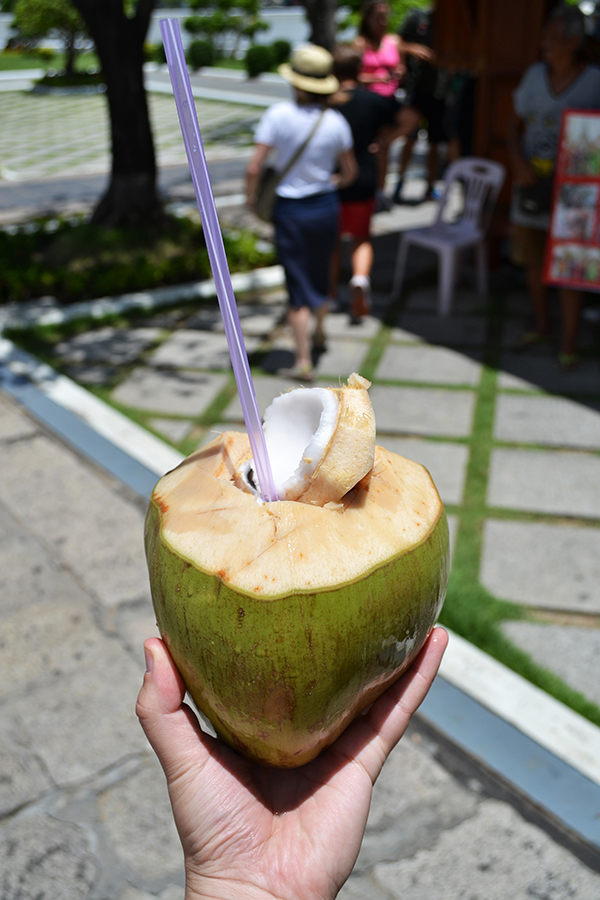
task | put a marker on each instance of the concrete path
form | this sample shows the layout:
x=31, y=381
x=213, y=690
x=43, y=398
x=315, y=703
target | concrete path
x=514, y=447
x=83, y=805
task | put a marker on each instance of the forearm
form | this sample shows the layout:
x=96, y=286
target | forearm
x=253, y=170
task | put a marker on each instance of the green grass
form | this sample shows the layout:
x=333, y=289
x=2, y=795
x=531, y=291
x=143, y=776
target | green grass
x=10, y=60
x=74, y=260
x=230, y=64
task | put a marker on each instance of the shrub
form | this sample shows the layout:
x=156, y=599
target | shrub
x=200, y=53
x=281, y=51
x=74, y=260
x=155, y=53
x=259, y=58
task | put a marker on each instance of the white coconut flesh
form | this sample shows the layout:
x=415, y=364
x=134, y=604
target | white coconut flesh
x=320, y=442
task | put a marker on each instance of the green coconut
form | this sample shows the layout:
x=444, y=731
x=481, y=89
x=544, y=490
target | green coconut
x=286, y=619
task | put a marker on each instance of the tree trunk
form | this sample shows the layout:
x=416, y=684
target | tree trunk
x=131, y=198
x=321, y=18
x=70, y=53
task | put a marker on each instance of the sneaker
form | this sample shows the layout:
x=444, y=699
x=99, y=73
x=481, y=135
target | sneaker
x=360, y=297
x=382, y=203
x=432, y=194
x=397, y=195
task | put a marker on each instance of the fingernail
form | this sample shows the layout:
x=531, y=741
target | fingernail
x=149, y=660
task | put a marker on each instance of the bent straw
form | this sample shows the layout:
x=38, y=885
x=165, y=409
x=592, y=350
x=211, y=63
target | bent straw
x=194, y=148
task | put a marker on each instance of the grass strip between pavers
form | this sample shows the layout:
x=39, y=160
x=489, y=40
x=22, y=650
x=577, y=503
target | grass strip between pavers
x=470, y=609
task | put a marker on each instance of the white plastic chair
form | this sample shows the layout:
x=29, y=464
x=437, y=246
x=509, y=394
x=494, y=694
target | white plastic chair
x=481, y=182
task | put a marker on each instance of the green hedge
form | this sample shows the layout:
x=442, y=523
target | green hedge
x=73, y=260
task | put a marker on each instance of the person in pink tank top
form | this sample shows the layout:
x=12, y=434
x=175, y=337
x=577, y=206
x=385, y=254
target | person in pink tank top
x=382, y=71
x=382, y=66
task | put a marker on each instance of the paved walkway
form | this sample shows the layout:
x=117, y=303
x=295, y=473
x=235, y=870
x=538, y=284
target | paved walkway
x=531, y=433
x=83, y=805
x=515, y=450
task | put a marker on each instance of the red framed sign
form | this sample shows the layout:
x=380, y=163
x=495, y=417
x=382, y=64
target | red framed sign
x=573, y=246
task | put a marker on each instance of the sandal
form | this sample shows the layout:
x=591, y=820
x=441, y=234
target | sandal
x=568, y=362
x=530, y=339
x=319, y=340
x=298, y=373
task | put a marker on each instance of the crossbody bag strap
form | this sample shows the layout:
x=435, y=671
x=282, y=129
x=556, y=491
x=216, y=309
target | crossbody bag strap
x=296, y=156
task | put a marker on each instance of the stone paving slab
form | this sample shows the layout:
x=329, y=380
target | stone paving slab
x=422, y=411
x=53, y=134
x=14, y=425
x=553, y=421
x=339, y=325
x=464, y=331
x=341, y=358
x=22, y=774
x=114, y=346
x=29, y=571
x=255, y=321
x=520, y=862
x=465, y=301
x=543, y=372
x=94, y=375
x=173, y=429
x=95, y=708
x=515, y=327
x=509, y=382
x=433, y=365
x=188, y=349
x=545, y=481
x=572, y=652
x=414, y=800
x=165, y=391
x=266, y=390
x=446, y=463
x=154, y=855
x=542, y=565
x=42, y=857
x=94, y=532
x=44, y=641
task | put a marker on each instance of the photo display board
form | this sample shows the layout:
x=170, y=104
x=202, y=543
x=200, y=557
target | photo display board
x=573, y=246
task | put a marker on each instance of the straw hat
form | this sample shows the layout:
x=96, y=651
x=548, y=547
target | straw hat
x=310, y=70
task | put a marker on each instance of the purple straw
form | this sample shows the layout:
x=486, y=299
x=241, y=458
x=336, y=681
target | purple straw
x=194, y=148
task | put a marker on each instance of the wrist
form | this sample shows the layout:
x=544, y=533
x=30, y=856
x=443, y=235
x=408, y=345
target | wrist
x=203, y=887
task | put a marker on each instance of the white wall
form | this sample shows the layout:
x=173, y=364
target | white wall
x=5, y=29
x=284, y=24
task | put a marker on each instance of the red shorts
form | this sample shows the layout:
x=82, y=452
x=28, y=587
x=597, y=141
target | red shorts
x=355, y=218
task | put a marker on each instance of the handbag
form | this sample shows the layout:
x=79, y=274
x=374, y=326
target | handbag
x=269, y=178
x=536, y=198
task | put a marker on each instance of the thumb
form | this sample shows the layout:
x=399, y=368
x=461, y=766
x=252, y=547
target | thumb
x=170, y=726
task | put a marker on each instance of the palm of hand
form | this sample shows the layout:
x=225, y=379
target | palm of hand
x=250, y=831
x=286, y=831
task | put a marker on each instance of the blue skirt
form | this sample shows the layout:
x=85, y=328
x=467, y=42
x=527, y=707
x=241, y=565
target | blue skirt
x=306, y=233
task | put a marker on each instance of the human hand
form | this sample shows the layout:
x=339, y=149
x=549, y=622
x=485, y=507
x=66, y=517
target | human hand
x=422, y=52
x=256, y=832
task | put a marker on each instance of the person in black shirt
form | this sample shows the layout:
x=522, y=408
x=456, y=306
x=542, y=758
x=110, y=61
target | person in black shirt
x=367, y=114
x=426, y=87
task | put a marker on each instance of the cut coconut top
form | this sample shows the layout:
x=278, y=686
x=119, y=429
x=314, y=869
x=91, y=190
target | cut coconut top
x=320, y=442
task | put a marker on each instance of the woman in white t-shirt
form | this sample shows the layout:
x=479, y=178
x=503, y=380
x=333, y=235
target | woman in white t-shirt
x=562, y=81
x=306, y=211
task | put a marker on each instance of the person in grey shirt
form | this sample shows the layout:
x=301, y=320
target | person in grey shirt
x=563, y=80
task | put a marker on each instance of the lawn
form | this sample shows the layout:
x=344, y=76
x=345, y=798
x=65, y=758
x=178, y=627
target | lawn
x=11, y=60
